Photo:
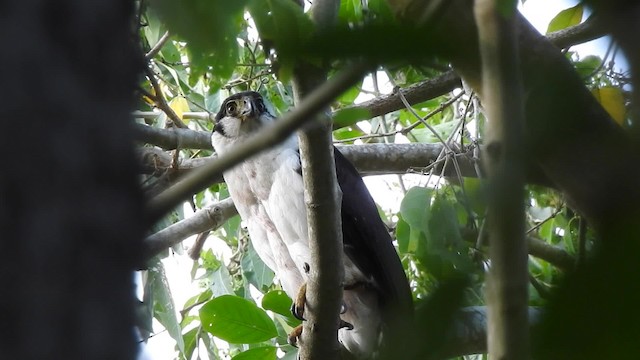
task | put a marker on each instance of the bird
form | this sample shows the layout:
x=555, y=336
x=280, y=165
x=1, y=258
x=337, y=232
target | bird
x=268, y=192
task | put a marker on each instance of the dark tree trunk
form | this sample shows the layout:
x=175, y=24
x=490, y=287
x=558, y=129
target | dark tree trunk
x=70, y=205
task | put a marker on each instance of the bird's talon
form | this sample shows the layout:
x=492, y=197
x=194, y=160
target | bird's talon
x=297, y=308
x=294, y=335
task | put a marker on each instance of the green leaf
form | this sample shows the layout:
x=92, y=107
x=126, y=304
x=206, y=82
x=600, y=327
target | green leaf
x=221, y=283
x=380, y=11
x=255, y=270
x=347, y=133
x=190, y=342
x=425, y=135
x=278, y=302
x=164, y=308
x=283, y=23
x=170, y=52
x=612, y=100
x=350, y=116
x=476, y=195
x=507, y=7
x=415, y=207
x=443, y=226
x=403, y=235
x=349, y=96
x=236, y=320
x=588, y=65
x=350, y=11
x=565, y=18
x=210, y=28
x=259, y=353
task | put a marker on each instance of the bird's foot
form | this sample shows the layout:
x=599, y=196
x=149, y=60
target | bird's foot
x=294, y=335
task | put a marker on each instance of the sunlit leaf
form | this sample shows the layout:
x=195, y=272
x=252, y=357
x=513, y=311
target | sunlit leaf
x=350, y=11
x=236, y=320
x=259, y=353
x=612, y=100
x=179, y=105
x=565, y=18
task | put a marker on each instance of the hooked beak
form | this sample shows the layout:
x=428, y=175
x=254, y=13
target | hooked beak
x=247, y=108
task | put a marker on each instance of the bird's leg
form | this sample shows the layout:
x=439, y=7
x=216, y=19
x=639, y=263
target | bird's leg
x=297, y=309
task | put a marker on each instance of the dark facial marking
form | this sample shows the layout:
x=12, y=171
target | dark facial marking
x=219, y=128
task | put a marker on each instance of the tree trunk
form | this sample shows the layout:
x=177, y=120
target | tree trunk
x=70, y=205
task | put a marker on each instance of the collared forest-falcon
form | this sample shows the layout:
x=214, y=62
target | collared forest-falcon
x=268, y=192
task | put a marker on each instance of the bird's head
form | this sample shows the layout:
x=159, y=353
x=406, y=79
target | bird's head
x=241, y=114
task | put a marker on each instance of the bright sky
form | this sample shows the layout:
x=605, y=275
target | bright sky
x=161, y=346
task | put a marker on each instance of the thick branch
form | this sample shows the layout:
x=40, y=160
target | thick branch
x=507, y=282
x=551, y=254
x=169, y=139
x=323, y=199
x=369, y=159
x=207, y=218
x=272, y=135
x=445, y=83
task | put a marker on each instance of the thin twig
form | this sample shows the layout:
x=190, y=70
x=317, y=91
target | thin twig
x=161, y=102
x=157, y=47
x=407, y=129
x=555, y=213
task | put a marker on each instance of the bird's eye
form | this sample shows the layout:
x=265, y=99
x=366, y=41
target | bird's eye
x=231, y=108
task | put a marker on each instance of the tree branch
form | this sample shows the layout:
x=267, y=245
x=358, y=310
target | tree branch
x=323, y=200
x=169, y=139
x=158, y=46
x=160, y=100
x=369, y=159
x=447, y=82
x=207, y=218
x=507, y=281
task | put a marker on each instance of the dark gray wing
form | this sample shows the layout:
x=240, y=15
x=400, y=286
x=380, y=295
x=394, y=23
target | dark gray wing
x=367, y=241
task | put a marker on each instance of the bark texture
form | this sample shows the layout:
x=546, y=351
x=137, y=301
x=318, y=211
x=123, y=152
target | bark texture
x=71, y=227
